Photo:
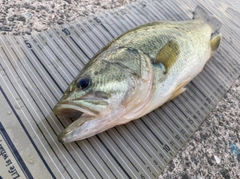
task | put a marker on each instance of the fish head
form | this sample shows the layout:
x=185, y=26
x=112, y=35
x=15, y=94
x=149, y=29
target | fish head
x=111, y=86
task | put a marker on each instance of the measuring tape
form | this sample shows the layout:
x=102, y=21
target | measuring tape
x=36, y=70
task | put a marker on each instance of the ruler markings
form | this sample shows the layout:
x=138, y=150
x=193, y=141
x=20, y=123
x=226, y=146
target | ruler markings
x=91, y=43
x=106, y=173
x=136, y=143
x=159, y=138
x=177, y=112
x=95, y=39
x=107, y=157
x=127, y=150
x=46, y=50
x=165, y=119
x=44, y=117
x=137, y=140
x=146, y=132
x=37, y=67
x=80, y=48
x=120, y=149
x=188, y=116
x=113, y=156
x=165, y=132
x=88, y=158
x=84, y=44
x=44, y=67
x=33, y=76
x=69, y=79
x=194, y=103
x=181, y=115
x=73, y=64
x=121, y=22
x=23, y=126
x=96, y=24
x=176, y=122
x=110, y=25
x=34, y=99
x=188, y=113
x=19, y=96
x=202, y=84
x=214, y=68
x=63, y=60
x=55, y=133
x=133, y=127
x=76, y=50
x=105, y=28
x=211, y=83
x=125, y=137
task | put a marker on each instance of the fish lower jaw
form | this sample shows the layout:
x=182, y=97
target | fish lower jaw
x=68, y=110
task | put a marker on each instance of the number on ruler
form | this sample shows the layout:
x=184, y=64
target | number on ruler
x=177, y=137
x=143, y=4
x=195, y=117
x=166, y=148
x=66, y=31
x=190, y=120
x=28, y=44
x=155, y=162
x=57, y=32
x=8, y=42
x=97, y=20
x=142, y=176
x=208, y=100
x=149, y=169
x=34, y=40
x=187, y=126
x=161, y=155
x=123, y=12
x=172, y=143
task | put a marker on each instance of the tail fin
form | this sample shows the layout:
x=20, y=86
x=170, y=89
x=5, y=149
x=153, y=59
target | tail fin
x=200, y=13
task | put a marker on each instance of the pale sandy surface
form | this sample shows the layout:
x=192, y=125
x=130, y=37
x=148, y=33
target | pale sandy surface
x=213, y=151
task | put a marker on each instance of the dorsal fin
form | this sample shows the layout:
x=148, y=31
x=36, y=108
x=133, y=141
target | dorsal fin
x=168, y=54
x=201, y=13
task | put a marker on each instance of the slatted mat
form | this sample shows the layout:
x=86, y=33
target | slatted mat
x=35, y=71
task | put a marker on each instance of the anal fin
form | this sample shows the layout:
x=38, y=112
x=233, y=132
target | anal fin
x=179, y=89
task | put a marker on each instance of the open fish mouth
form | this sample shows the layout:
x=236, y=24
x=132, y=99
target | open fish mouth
x=86, y=124
x=71, y=110
x=76, y=130
x=77, y=113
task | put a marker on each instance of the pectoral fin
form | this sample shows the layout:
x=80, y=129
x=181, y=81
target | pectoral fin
x=215, y=42
x=168, y=54
x=179, y=90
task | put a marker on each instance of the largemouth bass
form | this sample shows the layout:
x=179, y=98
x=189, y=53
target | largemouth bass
x=136, y=73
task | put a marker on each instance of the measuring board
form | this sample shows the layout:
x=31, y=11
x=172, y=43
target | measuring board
x=35, y=71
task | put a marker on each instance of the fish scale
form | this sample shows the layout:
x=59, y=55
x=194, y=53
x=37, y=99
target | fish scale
x=36, y=71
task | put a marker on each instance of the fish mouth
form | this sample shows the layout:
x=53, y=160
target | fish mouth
x=78, y=130
x=81, y=116
x=87, y=123
x=70, y=109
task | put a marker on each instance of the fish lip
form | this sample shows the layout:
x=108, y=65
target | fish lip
x=71, y=105
x=62, y=137
x=78, y=130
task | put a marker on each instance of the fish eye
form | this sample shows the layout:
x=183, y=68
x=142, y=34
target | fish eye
x=83, y=83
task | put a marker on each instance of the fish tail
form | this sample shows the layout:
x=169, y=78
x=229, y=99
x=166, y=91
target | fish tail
x=201, y=13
